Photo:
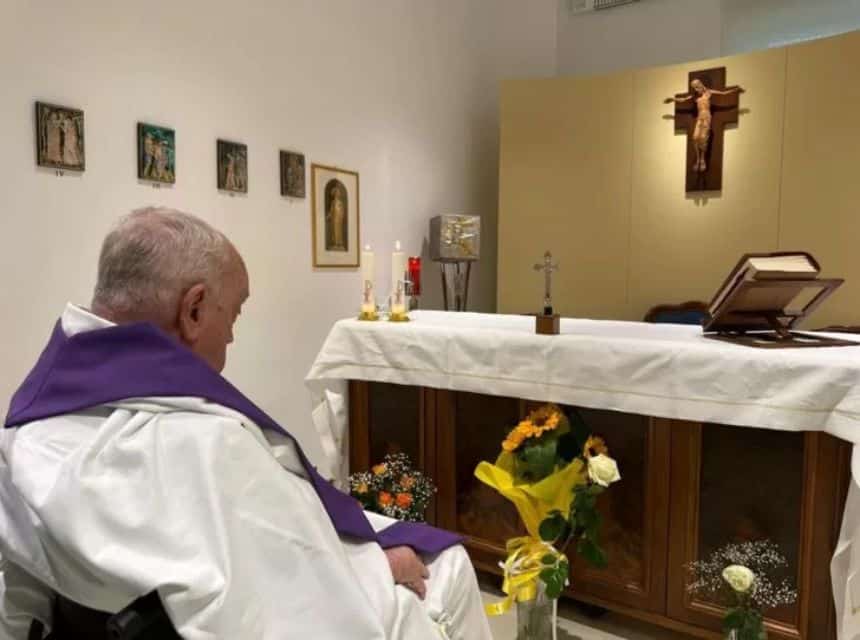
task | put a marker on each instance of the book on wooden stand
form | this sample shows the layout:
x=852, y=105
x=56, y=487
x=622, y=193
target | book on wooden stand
x=765, y=296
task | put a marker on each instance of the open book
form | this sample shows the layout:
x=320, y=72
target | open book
x=764, y=298
x=781, y=266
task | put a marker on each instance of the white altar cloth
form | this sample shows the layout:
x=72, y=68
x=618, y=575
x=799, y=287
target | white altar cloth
x=669, y=371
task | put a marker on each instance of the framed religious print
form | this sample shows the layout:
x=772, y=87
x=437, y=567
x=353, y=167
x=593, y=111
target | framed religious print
x=335, y=216
x=232, y=166
x=59, y=137
x=156, y=153
x=292, y=174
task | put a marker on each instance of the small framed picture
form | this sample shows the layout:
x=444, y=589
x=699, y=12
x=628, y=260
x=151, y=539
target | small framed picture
x=156, y=153
x=59, y=137
x=292, y=174
x=232, y=166
x=335, y=216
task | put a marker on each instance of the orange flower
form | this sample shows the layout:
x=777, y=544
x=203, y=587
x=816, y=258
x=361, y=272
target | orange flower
x=515, y=439
x=546, y=418
x=404, y=500
x=524, y=429
x=379, y=469
x=594, y=446
x=407, y=482
x=385, y=499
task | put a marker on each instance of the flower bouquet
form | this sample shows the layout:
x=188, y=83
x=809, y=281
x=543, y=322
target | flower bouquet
x=552, y=468
x=393, y=488
x=743, y=578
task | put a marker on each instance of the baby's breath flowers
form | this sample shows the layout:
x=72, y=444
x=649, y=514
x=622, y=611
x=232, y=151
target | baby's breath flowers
x=393, y=488
x=747, y=578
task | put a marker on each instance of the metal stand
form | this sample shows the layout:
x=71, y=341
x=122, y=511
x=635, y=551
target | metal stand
x=461, y=285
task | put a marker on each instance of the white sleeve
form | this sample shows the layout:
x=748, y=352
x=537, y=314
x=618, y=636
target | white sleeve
x=195, y=506
x=22, y=599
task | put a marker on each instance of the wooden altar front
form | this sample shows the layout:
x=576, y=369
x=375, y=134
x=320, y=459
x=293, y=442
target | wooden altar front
x=687, y=489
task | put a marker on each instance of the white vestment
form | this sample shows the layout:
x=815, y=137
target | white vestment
x=192, y=499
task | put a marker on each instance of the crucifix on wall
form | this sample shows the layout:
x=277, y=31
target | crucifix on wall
x=703, y=113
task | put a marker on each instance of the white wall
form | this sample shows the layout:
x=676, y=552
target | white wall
x=657, y=32
x=747, y=26
x=645, y=34
x=403, y=91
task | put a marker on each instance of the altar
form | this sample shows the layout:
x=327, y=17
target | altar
x=716, y=443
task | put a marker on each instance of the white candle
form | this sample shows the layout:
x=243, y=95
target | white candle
x=398, y=266
x=398, y=301
x=367, y=273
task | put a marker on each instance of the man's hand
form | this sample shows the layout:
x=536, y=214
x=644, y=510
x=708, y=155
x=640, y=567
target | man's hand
x=407, y=569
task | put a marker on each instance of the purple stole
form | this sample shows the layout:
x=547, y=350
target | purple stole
x=140, y=361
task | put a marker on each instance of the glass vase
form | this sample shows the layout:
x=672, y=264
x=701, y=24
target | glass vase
x=536, y=618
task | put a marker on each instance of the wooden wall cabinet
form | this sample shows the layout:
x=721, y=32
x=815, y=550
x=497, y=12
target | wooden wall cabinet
x=687, y=488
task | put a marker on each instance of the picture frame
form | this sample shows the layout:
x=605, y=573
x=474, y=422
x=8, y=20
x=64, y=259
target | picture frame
x=232, y=166
x=293, y=173
x=335, y=217
x=156, y=153
x=60, y=137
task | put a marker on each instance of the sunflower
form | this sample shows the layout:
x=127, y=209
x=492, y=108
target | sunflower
x=594, y=446
x=545, y=418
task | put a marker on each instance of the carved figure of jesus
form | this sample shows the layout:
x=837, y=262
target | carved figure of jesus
x=702, y=131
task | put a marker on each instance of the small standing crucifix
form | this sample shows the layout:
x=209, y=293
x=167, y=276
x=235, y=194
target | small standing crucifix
x=703, y=113
x=547, y=267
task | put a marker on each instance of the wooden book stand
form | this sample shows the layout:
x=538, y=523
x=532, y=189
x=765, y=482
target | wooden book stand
x=755, y=313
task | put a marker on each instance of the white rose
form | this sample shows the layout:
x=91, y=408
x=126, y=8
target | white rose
x=603, y=470
x=739, y=578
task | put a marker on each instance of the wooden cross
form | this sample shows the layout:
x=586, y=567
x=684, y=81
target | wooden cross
x=724, y=109
x=547, y=267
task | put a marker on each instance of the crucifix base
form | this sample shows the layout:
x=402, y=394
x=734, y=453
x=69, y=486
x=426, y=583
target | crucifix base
x=548, y=325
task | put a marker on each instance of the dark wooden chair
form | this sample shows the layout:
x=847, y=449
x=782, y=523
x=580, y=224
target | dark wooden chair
x=692, y=312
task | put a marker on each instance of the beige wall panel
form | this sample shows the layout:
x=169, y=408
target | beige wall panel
x=565, y=186
x=820, y=211
x=683, y=246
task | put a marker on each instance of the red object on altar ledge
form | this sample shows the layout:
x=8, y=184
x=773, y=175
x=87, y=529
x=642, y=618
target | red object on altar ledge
x=415, y=276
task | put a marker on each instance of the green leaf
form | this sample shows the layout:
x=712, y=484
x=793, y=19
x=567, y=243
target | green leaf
x=539, y=458
x=548, y=559
x=589, y=550
x=564, y=569
x=552, y=527
x=595, y=490
x=554, y=589
x=734, y=619
x=547, y=574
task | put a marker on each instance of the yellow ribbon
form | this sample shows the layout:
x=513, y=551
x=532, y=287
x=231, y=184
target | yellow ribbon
x=522, y=568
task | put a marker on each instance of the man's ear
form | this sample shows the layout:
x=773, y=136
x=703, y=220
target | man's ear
x=191, y=311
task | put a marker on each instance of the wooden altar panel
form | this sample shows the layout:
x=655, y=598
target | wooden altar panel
x=734, y=484
x=685, y=490
x=635, y=514
x=471, y=428
x=385, y=418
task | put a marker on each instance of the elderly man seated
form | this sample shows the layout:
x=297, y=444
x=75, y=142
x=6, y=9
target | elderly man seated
x=129, y=465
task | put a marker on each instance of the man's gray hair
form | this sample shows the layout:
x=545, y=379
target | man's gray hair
x=152, y=256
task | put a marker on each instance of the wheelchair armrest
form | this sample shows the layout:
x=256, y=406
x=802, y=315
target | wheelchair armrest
x=143, y=619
